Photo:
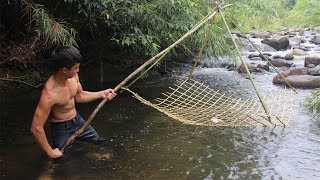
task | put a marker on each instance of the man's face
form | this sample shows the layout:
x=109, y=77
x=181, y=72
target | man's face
x=70, y=73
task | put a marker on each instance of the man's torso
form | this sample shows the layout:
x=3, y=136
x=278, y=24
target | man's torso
x=64, y=107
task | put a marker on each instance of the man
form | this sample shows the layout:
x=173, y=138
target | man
x=57, y=103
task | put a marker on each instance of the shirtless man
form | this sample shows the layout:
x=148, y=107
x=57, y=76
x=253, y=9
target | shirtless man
x=57, y=103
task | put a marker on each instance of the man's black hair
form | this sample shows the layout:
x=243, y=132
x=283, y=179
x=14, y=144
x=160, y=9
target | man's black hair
x=65, y=57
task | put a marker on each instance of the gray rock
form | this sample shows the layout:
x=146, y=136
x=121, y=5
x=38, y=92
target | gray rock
x=264, y=67
x=314, y=71
x=315, y=40
x=289, y=57
x=315, y=59
x=281, y=63
x=277, y=44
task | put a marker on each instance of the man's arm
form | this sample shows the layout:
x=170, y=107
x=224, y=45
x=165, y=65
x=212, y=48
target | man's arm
x=86, y=96
x=39, y=119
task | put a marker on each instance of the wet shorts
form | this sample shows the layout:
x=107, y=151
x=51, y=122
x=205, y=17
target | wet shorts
x=61, y=131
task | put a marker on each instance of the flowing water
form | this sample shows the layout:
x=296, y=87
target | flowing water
x=142, y=143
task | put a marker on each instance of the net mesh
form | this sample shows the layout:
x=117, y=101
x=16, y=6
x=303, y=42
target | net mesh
x=192, y=102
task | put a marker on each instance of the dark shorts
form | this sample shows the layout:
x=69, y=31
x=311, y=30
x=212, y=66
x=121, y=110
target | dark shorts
x=61, y=131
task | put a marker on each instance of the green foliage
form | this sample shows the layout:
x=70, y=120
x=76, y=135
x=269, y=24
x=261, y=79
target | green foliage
x=49, y=30
x=260, y=14
x=147, y=26
x=305, y=13
x=313, y=101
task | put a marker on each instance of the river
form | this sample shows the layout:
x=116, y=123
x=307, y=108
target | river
x=142, y=143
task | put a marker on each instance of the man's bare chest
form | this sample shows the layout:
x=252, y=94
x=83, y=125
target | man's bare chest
x=65, y=96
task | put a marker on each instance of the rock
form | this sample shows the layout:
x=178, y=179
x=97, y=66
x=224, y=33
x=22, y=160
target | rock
x=317, y=29
x=301, y=81
x=277, y=57
x=250, y=67
x=289, y=57
x=262, y=47
x=311, y=66
x=281, y=63
x=314, y=59
x=295, y=41
x=262, y=35
x=297, y=77
x=315, y=40
x=277, y=44
x=253, y=55
x=264, y=67
x=314, y=71
x=298, y=52
x=266, y=55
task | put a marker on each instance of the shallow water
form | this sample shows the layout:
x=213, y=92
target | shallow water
x=142, y=143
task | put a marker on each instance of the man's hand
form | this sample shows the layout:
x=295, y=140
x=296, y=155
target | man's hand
x=108, y=93
x=55, y=153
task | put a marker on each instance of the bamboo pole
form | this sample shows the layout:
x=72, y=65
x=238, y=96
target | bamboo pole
x=134, y=73
x=245, y=66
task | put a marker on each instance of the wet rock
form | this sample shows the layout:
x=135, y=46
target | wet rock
x=219, y=62
x=289, y=57
x=277, y=44
x=281, y=63
x=314, y=59
x=265, y=55
x=251, y=68
x=303, y=48
x=314, y=71
x=277, y=57
x=264, y=67
x=295, y=41
x=253, y=55
x=315, y=40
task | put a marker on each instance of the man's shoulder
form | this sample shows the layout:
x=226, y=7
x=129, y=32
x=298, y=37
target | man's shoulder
x=48, y=93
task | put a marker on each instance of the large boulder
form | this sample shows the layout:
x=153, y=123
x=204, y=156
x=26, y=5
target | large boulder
x=300, y=81
x=314, y=59
x=297, y=77
x=277, y=44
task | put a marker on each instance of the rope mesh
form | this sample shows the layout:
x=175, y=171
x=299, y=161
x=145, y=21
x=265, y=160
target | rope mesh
x=194, y=103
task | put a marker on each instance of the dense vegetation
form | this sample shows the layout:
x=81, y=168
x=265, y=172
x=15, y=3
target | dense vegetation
x=126, y=32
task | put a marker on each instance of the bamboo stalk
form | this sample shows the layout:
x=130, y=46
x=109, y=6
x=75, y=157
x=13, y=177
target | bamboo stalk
x=134, y=73
x=245, y=66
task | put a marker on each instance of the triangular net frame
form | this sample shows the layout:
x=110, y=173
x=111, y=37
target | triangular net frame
x=192, y=102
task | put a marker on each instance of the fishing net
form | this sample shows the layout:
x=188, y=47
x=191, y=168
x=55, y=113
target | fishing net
x=192, y=102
